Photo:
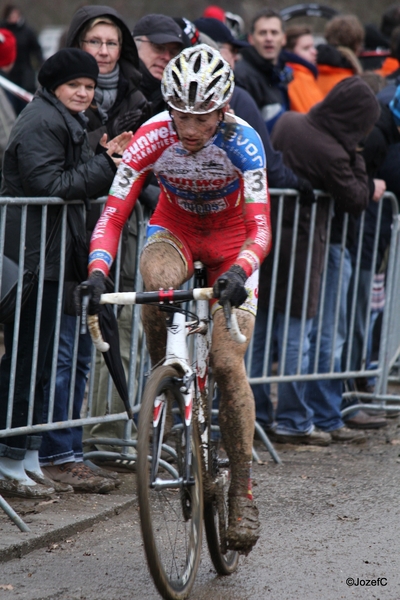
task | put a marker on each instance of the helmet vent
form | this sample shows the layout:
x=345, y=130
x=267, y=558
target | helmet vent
x=197, y=64
x=213, y=84
x=192, y=92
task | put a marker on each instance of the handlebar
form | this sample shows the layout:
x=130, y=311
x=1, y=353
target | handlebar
x=161, y=296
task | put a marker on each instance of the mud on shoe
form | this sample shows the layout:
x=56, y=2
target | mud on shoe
x=81, y=477
x=243, y=524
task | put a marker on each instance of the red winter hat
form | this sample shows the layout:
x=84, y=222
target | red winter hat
x=8, y=48
x=214, y=12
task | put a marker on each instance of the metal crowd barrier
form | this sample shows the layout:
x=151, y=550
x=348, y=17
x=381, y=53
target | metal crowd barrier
x=122, y=447
x=389, y=347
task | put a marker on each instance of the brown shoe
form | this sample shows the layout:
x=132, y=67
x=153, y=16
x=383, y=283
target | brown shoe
x=80, y=477
x=107, y=474
x=344, y=434
x=315, y=438
x=363, y=421
x=243, y=524
x=14, y=487
x=59, y=488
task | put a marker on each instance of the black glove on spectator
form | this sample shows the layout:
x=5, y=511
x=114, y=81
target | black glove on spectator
x=233, y=291
x=128, y=121
x=97, y=286
x=305, y=188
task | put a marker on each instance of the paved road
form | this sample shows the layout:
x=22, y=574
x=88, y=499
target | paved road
x=329, y=514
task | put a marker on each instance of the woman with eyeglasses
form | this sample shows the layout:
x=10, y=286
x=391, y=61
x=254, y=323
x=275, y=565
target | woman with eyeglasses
x=118, y=105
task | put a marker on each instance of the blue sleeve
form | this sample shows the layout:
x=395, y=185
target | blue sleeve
x=279, y=175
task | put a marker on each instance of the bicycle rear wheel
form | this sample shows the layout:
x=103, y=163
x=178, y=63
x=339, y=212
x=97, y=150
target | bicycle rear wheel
x=216, y=485
x=171, y=508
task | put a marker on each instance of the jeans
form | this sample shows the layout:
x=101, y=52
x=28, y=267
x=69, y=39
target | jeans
x=261, y=391
x=14, y=446
x=293, y=415
x=65, y=445
x=325, y=396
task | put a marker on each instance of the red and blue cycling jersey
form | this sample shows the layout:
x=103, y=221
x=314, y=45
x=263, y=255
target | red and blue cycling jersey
x=213, y=204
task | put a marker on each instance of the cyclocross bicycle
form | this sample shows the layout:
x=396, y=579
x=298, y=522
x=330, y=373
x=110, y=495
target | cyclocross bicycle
x=183, y=473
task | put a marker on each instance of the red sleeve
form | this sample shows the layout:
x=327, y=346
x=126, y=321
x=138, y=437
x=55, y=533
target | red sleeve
x=256, y=212
x=148, y=143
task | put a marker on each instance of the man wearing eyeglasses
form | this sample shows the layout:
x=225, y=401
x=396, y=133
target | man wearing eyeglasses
x=158, y=39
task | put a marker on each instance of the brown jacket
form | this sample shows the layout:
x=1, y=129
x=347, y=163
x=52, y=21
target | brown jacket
x=322, y=147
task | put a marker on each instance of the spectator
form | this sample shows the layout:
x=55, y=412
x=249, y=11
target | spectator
x=49, y=146
x=214, y=12
x=337, y=59
x=119, y=105
x=390, y=67
x=8, y=52
x=301, y=57
x=243, y=105
x=380, y=161
x=322, y=147
x=158, y=39
x=29, y=53
x=262, y=70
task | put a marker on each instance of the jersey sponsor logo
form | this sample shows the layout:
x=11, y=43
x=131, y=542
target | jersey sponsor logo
x=101, y=255
x=124, y=178
x=205, y=207
x=99, y=230
x=156, y=137
x=263, y=236
x=244, y=147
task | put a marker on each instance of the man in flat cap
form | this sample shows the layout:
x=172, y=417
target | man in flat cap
x=158, y=39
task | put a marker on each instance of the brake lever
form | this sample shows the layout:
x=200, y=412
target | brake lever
x=85, y=298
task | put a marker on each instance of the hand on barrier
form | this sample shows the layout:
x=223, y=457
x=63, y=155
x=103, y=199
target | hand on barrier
x=307, y=196
x=230, y=286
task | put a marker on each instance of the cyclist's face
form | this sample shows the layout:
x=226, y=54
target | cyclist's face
x=102, y=42
x=194, y=131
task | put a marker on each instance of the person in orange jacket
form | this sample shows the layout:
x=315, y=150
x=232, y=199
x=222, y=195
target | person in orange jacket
x=337, y=59
x=303, y=90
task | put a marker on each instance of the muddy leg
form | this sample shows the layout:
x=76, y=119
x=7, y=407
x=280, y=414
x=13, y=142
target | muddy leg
x=236, y=419
x=161, y=266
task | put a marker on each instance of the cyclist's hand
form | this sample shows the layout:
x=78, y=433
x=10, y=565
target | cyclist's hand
x=230, y=286
x=96, y=286
x=307, y=196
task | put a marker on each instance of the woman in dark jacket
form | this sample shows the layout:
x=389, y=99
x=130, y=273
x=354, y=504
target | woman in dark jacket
x=48, y=155
x=118, y=105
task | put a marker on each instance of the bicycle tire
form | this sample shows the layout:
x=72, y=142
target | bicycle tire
x=171, y=519
x=217, y=472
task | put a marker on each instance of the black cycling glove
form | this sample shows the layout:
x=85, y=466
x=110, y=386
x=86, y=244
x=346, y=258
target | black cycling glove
x=97, y=286
x=232, y=289
x=306, y=190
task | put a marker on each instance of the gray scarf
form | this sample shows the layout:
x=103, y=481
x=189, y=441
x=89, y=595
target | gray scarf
x=106, y=90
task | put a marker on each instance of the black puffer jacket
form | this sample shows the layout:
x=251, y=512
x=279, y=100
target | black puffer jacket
x=48, y=154
x=129, y=97
x=266, y=83
x=322, y=147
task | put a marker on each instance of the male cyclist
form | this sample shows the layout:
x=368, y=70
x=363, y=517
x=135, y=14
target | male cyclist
x=214, y=208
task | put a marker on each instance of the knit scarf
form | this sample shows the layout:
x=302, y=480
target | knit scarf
x=106, y=90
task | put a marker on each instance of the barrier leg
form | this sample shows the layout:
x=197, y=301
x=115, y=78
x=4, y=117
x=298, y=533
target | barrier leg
x=13, y=515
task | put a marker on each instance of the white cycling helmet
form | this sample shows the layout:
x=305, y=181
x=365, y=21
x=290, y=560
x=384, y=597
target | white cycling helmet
x=197, y=81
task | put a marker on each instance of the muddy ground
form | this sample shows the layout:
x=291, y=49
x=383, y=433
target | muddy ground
x=329, y=515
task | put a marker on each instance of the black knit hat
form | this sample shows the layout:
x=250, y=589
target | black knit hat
x=65, y=65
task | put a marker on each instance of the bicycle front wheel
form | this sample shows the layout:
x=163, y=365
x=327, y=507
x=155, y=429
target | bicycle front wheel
x=169, y=486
